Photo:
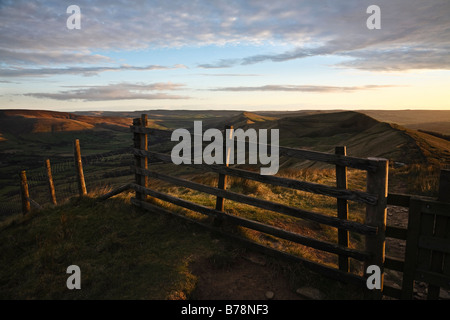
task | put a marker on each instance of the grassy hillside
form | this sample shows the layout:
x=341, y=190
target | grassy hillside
x=123, y=253
x=126, y=253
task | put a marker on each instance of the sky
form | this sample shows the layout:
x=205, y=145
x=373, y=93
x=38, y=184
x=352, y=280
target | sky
x=229, y=55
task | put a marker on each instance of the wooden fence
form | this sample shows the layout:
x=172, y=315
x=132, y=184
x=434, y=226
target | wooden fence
x=427, y=236
x=374, y=199
x=27, y=202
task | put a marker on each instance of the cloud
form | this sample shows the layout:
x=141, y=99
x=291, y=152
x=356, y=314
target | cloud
x=399, y=59
x=223, y=63
x=304, y=88
x=31, y=57
x=85, y=71
x=120, y=91
x=228, y=74
x=34, y=32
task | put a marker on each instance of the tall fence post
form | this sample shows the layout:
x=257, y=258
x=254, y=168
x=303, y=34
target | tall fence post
x=137, y=158
x=342, y=208
x=377, y=183
x=222, y=182
x=440, y=229
x=26, y=207
x=79, y=167
x=144, y=146
x=140, y=141
x=51, y=186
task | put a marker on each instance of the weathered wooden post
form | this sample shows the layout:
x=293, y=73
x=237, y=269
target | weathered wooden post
x=140, y=141
x=51, y=186
x=222, y=182
x=26, y=207
x=79, y=167
x=137, y=158
x=342, y=208
x=377, y=183
x=144, y=147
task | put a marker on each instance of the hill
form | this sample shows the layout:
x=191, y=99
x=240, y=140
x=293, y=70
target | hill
x=429, y=120
x=363, y=135
x=38, y=121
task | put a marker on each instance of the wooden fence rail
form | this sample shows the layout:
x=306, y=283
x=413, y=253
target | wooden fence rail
x=374, y=198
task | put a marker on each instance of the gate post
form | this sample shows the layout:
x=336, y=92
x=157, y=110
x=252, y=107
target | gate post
x=140, y=161
x=377, y=183
x=437, y=258
x=144, y=147
x=222, y=181
x=342, y=208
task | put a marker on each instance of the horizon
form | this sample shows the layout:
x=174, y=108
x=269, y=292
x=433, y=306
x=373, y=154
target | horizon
x=238, y=55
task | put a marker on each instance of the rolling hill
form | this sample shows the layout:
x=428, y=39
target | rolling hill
x=363, y=135
x=37, y=121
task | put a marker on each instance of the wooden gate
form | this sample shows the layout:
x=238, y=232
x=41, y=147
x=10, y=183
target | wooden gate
x=427, y=236
x=427, y=257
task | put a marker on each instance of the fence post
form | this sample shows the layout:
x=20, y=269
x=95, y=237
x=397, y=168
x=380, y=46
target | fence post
x=377, y=183
x=79, y=167
x=51, y=186
x=222, y=183
x=137, y=158
x=26, y=207
x=440, y=223
x=342, y=208
x=144, y=146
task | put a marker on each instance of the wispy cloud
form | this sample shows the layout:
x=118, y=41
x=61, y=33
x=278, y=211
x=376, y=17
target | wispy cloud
x=304, y=88
x=85, y=71
x=229, y=74
x=119, y=91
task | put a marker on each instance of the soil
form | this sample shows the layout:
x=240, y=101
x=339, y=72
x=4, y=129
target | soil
x=247, y=278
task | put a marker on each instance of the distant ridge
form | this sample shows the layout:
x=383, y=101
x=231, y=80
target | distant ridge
x=364, y=135
x=39, y=121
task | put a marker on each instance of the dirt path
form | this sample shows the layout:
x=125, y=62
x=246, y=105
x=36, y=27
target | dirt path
x=248, y=278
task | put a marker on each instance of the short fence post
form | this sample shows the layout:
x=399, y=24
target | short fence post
x=51, y=186
x=79, y=167
x=26, y=207
x=222, y=183
x=342, y=208
x=377, y=183
x=440, y=230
